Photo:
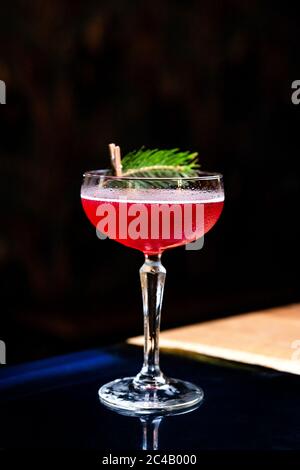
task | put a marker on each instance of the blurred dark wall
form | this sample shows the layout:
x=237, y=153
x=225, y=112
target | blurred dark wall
x=208, y=76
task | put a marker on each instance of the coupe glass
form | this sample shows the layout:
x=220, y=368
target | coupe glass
x=152, y=215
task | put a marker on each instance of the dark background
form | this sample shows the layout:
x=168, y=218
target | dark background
x=208, y=76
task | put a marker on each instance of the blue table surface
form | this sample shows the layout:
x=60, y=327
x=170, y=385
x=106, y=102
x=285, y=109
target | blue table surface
x=53, y=403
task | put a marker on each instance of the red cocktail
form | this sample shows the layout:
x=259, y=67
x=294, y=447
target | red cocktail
x=152, y=215
x=152, y=221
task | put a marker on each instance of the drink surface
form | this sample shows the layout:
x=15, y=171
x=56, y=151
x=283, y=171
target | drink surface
x=152, y=220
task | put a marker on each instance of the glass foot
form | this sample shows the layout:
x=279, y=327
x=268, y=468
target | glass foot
x=121, y=394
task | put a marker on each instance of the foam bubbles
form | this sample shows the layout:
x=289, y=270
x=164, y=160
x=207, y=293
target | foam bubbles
x=152, y=196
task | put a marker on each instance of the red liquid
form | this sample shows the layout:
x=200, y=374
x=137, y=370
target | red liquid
x=151, y=234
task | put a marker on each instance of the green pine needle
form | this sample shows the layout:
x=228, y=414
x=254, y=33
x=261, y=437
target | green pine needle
x=155, y=163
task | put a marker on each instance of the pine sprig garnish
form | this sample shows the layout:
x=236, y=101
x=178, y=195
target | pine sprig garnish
x=146, y=168
x=147, y=163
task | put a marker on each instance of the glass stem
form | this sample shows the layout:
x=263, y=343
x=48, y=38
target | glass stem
x=152, y=275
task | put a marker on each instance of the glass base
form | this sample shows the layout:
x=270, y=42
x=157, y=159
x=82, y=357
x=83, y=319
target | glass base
x=175, y=395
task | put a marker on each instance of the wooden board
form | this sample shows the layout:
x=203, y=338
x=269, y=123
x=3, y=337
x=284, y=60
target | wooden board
x=269, y=338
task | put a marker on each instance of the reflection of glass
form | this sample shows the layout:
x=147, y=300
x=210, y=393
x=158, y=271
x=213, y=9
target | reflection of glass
x=134, y=211
x=150, y=432
x=150, y=425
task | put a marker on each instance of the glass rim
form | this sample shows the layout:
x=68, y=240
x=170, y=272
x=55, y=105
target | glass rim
x=203, y=175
